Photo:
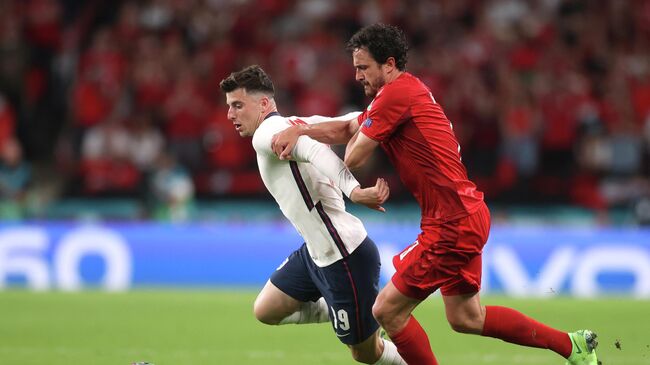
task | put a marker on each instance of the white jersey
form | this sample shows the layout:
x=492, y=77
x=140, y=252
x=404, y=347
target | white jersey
x=309, y=189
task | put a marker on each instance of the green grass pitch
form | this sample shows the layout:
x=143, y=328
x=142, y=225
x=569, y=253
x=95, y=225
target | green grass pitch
x=217, y=327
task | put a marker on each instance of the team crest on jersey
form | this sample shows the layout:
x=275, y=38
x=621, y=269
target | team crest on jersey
x=367, y=123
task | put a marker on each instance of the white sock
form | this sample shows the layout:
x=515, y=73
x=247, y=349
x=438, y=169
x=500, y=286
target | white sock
x=310, y=312
x=390, y=356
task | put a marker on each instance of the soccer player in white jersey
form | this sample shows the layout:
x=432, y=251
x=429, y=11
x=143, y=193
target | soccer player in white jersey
x=334, y=275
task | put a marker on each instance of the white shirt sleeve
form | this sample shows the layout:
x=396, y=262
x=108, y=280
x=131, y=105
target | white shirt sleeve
x=309, y=150
x=325, y=161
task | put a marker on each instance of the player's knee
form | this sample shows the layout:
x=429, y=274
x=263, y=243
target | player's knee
x=464, y=324
x=263, y=315
x=459, y=325
x=390, y=320
x=379, y=311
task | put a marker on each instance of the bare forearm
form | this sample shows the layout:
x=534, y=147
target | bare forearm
x=349, y=145
x=354, y=160
x=337, y=132
x=358, y=150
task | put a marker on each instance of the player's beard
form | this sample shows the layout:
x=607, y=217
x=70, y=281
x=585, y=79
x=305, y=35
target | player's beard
x=371, y=89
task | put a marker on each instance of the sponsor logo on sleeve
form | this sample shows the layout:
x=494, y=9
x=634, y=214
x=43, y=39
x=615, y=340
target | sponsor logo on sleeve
x=367, y=123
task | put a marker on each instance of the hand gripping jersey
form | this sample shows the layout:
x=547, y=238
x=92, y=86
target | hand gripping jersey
x=419, y=139
x=309, y=189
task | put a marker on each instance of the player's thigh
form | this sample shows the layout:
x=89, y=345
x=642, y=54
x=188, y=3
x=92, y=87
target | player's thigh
x=445, y=256
x=295, y=276
x=289, y=285
x=273, y=304
x=465, y=312
x=350, y=287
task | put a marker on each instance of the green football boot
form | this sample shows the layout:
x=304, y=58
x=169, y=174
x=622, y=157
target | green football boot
x=583, y=350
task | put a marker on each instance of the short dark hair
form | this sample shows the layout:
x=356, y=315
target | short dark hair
x=382, y=41
x=252, y=78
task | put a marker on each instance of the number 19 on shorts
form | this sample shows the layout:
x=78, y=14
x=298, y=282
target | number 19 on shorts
x=341, y=320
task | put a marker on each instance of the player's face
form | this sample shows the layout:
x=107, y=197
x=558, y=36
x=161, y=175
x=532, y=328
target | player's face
x=245, y=111
x=368, y=71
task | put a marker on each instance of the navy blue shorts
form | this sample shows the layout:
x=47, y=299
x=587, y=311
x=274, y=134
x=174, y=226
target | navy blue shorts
x=349, y=287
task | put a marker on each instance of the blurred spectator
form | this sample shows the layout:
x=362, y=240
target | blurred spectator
x=7, y=122
x=642, y=211
x=145, y=143
x=15, y=175
x=550, y=100
x=106, y=166
x=92, y=103
x=150, y=81
x=14, y=53
x=43, y=24
x=224, y=149
x=173, y=191
x=520, y=130
x=185, y=111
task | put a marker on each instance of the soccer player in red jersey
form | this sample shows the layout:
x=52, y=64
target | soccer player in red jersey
x=411, y=127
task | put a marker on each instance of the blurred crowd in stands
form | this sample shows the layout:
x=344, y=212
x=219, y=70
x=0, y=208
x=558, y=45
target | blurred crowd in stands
x=550, y=99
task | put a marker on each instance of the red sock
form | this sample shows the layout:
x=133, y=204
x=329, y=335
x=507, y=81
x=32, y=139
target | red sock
x=413, y=344
x=514, y=327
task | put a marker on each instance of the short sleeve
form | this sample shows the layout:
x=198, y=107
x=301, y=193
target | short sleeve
x=385, y=113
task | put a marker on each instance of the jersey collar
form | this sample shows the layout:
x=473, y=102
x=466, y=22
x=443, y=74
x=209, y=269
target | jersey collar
x=271, y=114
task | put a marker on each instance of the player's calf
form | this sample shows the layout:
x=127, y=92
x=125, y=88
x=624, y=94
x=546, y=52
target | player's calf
x=365, y=356
x=376, y=350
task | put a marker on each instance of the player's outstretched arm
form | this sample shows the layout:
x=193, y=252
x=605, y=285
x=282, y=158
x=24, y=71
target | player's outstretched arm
x=334, y=131
x=372, y=197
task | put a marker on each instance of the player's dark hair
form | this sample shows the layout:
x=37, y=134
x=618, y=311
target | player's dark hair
x=382, y=41
x=252, y=79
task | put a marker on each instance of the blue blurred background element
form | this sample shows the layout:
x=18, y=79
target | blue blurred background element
x=110, y=113
x=522, y=262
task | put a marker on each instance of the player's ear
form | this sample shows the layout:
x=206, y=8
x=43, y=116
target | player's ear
x=264, y=101
x=390, y=64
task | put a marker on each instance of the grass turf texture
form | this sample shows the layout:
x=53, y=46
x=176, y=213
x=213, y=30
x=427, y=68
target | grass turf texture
x=217, y=327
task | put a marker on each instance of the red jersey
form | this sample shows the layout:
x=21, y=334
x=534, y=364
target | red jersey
x=418, y=138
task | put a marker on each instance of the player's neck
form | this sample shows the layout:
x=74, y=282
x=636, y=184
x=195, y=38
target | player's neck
x=266, y=114
x=270, y=114
x=393, y=76
x=270, y=110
